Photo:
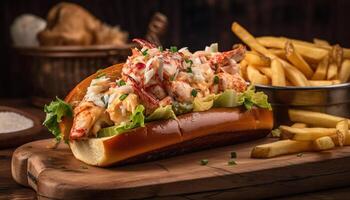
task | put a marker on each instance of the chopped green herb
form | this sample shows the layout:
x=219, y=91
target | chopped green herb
x=204, y=162
x=121, y=83
x=276, y=133
x=231, y=162
x=145, y=52
x=194, y=92
x=172, y=78
x=233, y=154
x=173, y=49
x=216, y=80
x=299, y=154
x=123, y=96
x=189, y=70
x=160, y=48
x=189, y=61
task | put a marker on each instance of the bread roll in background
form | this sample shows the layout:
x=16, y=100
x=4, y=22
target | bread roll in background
x=70, y=24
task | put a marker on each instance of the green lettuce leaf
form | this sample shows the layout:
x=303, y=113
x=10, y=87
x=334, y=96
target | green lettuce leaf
x=162, y=113
x=54, y=113
x=250, y=98
x=182, y=108
x=227, y=99
x=203, y=103
x=137, y=119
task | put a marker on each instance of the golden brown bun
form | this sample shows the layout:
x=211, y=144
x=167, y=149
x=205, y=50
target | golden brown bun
x=193, y=131
x=190, y=132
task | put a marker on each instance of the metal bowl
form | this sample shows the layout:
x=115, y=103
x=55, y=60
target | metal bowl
x=333, y=99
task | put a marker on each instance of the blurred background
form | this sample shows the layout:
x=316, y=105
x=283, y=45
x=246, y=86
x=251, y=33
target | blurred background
x=194, y=24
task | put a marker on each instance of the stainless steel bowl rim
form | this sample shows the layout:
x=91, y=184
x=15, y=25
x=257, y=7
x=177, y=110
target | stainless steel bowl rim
x=326, y=87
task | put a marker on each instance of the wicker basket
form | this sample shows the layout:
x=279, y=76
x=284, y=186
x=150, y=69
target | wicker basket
x=54, y=71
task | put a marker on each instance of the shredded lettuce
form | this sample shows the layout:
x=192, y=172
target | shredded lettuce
x=162, y=113
x=137, y=119
x=54, y=113
x=250, y=98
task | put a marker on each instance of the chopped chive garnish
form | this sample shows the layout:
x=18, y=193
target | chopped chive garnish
x=160, y=48
x=231, y=162
x=173, y=49
x=189, y=61
x=204, y=162
x=233, y=154
x=216, y=80
x=145, y=52
x=189, y=70
x=121, y=83
x=194, y=92
x=123, y=96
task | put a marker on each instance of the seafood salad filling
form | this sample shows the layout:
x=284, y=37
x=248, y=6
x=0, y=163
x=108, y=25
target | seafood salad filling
x=158, y=84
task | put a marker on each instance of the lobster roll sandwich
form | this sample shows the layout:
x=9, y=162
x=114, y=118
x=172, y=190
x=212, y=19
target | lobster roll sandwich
x=160, y=103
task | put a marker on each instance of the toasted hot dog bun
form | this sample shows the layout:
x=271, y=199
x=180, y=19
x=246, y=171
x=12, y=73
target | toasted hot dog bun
x=159, y=139
x=193, y=131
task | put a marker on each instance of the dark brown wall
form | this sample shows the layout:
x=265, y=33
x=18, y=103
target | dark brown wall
x=193, y=23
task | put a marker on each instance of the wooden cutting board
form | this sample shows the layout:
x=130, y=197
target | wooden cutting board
x=54, y=173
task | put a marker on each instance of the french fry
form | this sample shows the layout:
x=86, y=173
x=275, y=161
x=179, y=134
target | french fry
x=332, y=72
x=255, y=77
x=344, y=73
x=342, y=131
x=257, y=59
x=279, y=52
x=299, y=125
x=314, y=118
x=292, y=74
x=265, y=70
x=324, y=82
x=295, y=58
x=243, y=69
x=281, y=147
x=277, y=73
x=321, y=42
x=311, y=52
x=337, y=55
x=323, y=143
x=321, y=70
x=306, y=134
x=295, y=125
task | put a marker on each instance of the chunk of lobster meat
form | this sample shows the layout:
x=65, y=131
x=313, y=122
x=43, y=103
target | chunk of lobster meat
x=166, y=101
x=148, y=100
x=120, y=110
x=181, y=91
x=85, y=116
x=225, y=58
x=144, y=43
x=229, y=81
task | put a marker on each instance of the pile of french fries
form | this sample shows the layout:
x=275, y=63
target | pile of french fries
x=281, y=61
x=311, y=131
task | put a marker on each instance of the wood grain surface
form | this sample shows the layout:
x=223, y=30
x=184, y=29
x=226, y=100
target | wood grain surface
x=54, y=173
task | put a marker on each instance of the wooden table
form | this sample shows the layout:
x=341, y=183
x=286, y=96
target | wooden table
x=9, y=189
